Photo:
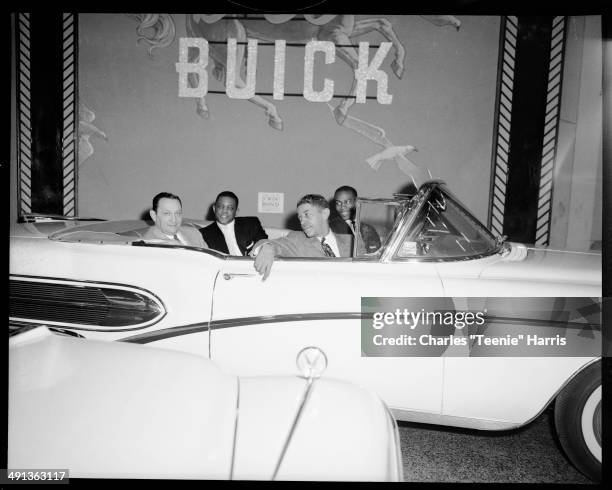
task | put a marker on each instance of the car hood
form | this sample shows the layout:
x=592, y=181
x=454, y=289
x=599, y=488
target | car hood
x=546, y=264
x=117, y=410
x=313, y=437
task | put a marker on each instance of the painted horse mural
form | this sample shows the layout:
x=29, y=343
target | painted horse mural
x=158, y=30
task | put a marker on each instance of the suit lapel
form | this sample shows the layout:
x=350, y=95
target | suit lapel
x=344, y=245
x=156, y=232
x=239, y=232
x=340, y=226
x=316, y=244
x=221, y=245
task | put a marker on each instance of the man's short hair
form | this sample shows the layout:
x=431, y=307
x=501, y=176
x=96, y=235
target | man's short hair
x=166, y=195
x=315, y=200
x=346, y=188
x=228, y=194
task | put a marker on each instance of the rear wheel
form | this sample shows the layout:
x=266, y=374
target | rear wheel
x=578, y=421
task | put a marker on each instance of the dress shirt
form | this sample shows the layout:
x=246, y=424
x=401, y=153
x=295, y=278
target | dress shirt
x=230, y=237
x=330, y=239
x=178, y=237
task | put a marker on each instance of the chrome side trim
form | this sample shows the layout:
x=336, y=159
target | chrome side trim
x=41, y=218
x=543, y=323
x=445, y=259
x=165, y=333
x=161, y=334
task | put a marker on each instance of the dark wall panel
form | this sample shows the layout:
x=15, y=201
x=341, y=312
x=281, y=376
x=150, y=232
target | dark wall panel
x=526, y=134
x=46, y=112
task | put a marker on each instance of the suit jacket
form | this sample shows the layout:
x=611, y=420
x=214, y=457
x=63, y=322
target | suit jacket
x=248, y=231
x=187, y=233
x=297, y=244
x=369, y=236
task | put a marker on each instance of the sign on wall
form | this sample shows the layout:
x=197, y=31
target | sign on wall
x=270, y=202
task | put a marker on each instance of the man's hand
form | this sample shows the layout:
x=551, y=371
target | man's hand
x=264, y=260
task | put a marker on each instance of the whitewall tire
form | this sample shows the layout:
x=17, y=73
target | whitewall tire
x=578, y=421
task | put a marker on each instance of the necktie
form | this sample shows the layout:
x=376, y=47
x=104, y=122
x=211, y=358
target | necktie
x=351, y=225
x=178, y=239
x=327, y=250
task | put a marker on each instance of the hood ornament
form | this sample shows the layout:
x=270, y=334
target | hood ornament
x=311, y=362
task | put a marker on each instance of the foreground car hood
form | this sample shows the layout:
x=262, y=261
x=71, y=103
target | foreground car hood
x=117, y=410
x=329, y=443
x=549, y=265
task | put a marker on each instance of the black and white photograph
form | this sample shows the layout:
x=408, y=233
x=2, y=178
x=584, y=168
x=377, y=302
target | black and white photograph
x=281, y=244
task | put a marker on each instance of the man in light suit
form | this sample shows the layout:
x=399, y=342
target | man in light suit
x=315, y=240
x=167, y=214
x=228, y=234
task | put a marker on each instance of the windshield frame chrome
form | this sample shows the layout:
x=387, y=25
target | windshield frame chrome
x=410, y=209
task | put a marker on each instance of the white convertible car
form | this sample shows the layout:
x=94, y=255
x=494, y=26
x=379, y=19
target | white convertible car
x=98, y=278
x=111, y=410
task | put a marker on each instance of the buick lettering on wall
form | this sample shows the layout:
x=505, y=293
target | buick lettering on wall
x=102, y=281
x=228, y=45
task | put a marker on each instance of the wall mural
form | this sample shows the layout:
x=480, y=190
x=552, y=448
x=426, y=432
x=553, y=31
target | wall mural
x=87, y=130
x=229, y=44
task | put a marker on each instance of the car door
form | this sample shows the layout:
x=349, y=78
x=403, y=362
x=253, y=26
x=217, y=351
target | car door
x=258, y=327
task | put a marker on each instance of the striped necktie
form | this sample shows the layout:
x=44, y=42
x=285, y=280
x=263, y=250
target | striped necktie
x=327, y=250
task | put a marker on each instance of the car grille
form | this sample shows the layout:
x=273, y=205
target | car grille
x=81, y=304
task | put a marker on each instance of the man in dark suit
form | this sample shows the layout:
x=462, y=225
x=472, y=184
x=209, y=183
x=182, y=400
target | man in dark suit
x=345, y=199
x=315, y=240
x=228, y=234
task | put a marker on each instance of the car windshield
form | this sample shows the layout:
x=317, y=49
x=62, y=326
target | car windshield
x=444, y=229
x=376, y=220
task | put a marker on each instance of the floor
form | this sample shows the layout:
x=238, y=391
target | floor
x=530, y=454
